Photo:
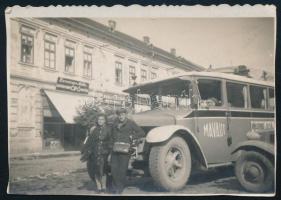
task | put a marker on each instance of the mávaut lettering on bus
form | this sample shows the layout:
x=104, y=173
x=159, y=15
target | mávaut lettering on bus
x=72, y=85
x=214, y=129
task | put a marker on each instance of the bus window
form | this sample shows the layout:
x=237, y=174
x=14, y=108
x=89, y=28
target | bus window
x=258, y=97
x=271, y=101
x=210, y=92
x=237, y=95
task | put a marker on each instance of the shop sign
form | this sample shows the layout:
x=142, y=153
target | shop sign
x=72, y=85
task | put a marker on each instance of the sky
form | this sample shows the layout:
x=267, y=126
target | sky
x=219, y=42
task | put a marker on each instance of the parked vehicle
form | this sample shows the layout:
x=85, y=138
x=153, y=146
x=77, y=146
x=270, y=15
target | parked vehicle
x=202, y=120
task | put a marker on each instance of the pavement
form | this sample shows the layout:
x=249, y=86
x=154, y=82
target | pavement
x=56, y=174
x=60, y=173
x=42, y=155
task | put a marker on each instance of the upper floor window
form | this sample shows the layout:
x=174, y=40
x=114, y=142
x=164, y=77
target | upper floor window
x=210, y=92
x=271, y=102
x=118, y=73
x=27, y=47
x=153, y=75
x=237, y=95
x=143, y=75
x=258, y=97
x=87, y=70
x=50, y=51
x=132, y=73
x=69, y=59
x=50, y=54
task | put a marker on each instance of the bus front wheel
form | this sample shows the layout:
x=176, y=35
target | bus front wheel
x=170, y=164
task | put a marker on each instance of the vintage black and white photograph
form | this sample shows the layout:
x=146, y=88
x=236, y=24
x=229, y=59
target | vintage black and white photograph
x=141, y=100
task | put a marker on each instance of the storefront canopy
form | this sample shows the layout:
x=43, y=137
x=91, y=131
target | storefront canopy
x=67, y=104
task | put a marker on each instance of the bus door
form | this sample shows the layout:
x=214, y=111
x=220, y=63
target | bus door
x=239, y=113
x=211, y=121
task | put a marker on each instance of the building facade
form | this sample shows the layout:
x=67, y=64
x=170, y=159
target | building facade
x=58, y=63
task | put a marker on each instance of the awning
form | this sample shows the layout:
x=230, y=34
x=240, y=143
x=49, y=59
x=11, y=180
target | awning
x=67, y=104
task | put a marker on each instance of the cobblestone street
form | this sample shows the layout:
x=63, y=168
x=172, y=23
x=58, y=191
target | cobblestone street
x=68, y=175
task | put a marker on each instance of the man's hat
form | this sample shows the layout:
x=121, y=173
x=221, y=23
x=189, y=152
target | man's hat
x=121, y=110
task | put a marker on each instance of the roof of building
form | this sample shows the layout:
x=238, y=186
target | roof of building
x=203, y=74
x=230, y=69
x=126, y=41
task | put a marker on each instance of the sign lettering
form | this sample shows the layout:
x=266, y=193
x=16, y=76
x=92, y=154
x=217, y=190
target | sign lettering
x=260, y=125
x=72, y=85
x=214, y=129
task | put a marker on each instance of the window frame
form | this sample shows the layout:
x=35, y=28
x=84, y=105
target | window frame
x=143, y=70
x=21, y=48
x=266, y=97
x=117, y=64
x=248, y=95
x=131, y=74
x=88, y=55
x=152, y=75
x=49, y=51
x=73, y=63
x=222, y=81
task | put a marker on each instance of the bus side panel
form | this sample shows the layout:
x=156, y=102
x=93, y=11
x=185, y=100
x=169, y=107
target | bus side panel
x=238, y=128
x=212, y=135
x=189, y=123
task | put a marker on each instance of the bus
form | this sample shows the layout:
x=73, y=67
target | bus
x=202, y=120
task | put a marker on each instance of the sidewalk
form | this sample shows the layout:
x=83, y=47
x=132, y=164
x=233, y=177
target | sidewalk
x=42, y=155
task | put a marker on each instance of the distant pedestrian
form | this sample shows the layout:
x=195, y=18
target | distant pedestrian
x=124, y=131
x=99, y=145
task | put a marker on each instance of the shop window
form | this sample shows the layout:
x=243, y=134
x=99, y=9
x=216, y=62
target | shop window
x=27, y=46
x=271, y=102
x=153, y=75
x=258, y=97
x=118, y=73
x=69, y=60
x=210, y=92
x=50, y=54
x=87, y=71
x=237, y=96
x=132, y=73
x=143, y=75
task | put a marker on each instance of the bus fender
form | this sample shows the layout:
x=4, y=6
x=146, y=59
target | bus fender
x=164, y=133
x=254, y=144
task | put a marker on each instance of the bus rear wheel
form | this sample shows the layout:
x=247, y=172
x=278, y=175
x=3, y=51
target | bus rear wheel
x=170, y=164
x=255, y=172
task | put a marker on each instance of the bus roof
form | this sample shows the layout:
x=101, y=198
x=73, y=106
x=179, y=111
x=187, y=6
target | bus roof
x=221, y=75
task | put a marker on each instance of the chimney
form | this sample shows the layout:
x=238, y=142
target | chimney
x=112, y=25
x=146, y=40
x=173, y=51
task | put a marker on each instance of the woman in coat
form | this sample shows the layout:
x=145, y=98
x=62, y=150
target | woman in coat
x=99, y=145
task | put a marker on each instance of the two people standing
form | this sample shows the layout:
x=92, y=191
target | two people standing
x=116, y=140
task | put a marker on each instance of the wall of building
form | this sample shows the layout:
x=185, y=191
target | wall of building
x=27, y=80
x=104, y=56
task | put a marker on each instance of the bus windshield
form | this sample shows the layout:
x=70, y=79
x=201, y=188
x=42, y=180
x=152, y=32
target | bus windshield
x=165, y=95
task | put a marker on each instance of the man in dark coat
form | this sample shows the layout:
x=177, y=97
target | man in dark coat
x=124, y=130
